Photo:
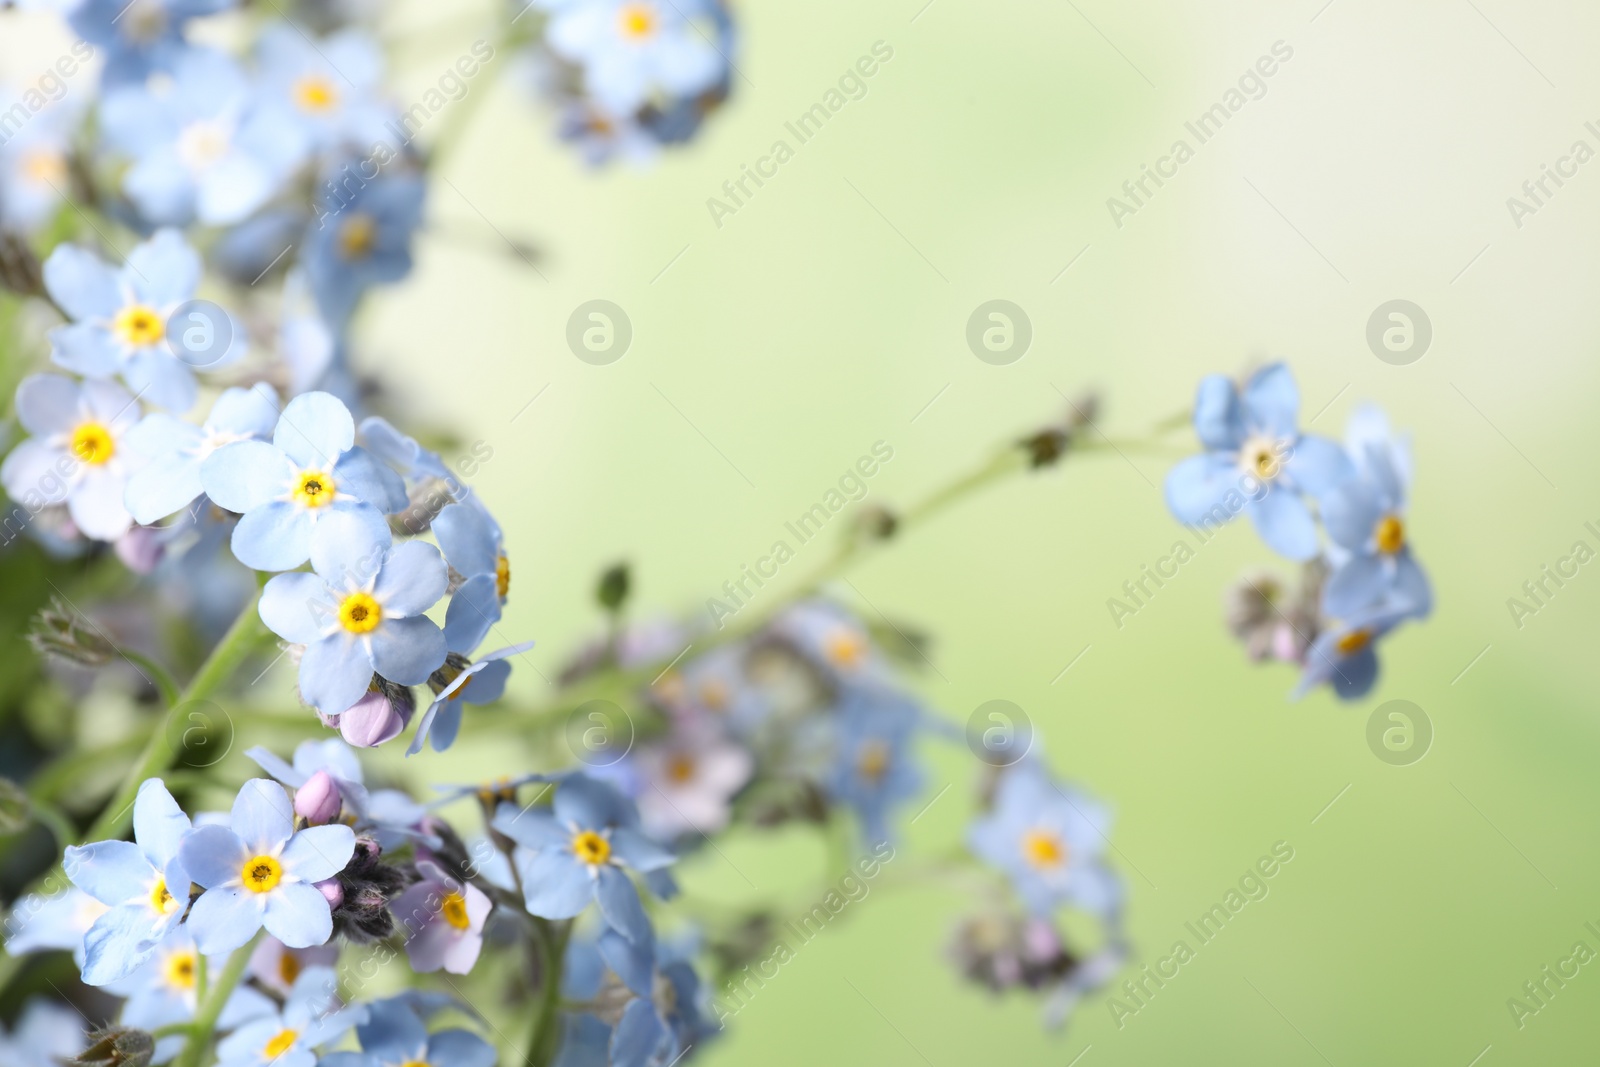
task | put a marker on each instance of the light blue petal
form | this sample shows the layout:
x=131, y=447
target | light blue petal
x=164, y=270
x=223, y=919
x=1350, y=514
x=319, y=852
x=1285, y=524
x=1198, y=490
x=273, y=537
x=1412, y=593
x=274, y=765
x=118, y=943
x=412, y=580
x=466, y=540
x=297, y=607
x=1354, y=676
x=85, y=348
x=532, y=828
x=460, y=1048
x=619, y=903
x=360, y=475
x=637, y=1036
x=1318, y=466
x=408, y=650
x=334, y=674
x=1356, y=587
x=587, y=803
x=488, y=683
x=246, y=475
x=159, y=825
x=161, y=187
x=639, y=852
x=82, y=283
x=298, y=915
x=440, y=723
x=556, y=885
x=394, y=1034
x=316, y=428
x=473, y=611
x=252, y=411
x=1271, y=401
x=212, y=855
x=158, y=378
x=1216, y=413
x=633, y=962
x=263, y=817
x=48, y=403
x=348, y=547
x=112, y=872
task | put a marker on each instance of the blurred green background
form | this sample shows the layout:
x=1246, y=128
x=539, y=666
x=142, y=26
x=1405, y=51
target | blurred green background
x=830, y=310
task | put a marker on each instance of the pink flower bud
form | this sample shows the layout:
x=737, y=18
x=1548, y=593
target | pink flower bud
x=332, y=892
x=372, y=720
x=318, y=801
x=140, y=549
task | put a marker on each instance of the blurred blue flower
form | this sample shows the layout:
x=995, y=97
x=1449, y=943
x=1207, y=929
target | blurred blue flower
x=663, y=1019
x=40, y=924
x=1345, y=656
x=174, y=450
x=1050, y=841
x=360, y=612
x=79, y=453
x=164, y=991
x=34, y=161
x=364, y=241
x=258, y=871
x=393, y=1036
x=1366, y=517
x=199, y=149
x=635, y=52
x=873, y=769
x=481, y=681
x=144, y=884
x=139, y=36
x=119, y=317
x=310, y=1019
x=47, y=1034
x=310, y=473
x=576, y=853
x=1258, y=462
x=324, y=93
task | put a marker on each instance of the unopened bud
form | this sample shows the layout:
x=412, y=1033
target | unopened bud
x=116, y=1047
x=58, y=631
x=318, y=801
x=331, y=891
x=381, y=715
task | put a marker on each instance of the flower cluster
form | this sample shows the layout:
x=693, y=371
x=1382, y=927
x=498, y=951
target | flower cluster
x=1361, y=580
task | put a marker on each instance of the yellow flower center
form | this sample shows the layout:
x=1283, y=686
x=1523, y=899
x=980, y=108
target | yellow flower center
x=91, y=443
x=357, y=236
x=591, y=848
x=1354, y=642
x=714, y=694
x=161, y=899
x=454, y=911
x=416, y=1063
x=1043, y=849
x=261, y=874
x=873, y=760
x=179, y=970
x=680, y=768
x=45, y=166
x=1390, y=534
x=638, y=21
x=360, y=614
x=315, y=94
x=502, y=576
x=282, y=1042
x=845, y=648
x=314, y=489
x=288, y=967
x=138, y=325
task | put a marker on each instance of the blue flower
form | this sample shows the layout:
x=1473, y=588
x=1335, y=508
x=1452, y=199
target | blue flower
x=311, y=1018
x=164, y=991
x=119, y=317
x=873, y=769
x=662, y=1020
x=635, y=52
x=139, y=37
x=310, y=473
x=323, y=92
x=360, y=613
x=1345, y=654
x=40, y=924
x=34, y=178
x=144, y=883
x=393, y=1036
x=577, y=852
x=79, y=453
x=1050, y=841
x=1366, y=517
x=832, y=640
x=365, y=241
x=482, y=681
x=257, y=871
x=46, y=1035
x=475, y=549
x=199, y=149
x=1258, y=462
x=174, y=450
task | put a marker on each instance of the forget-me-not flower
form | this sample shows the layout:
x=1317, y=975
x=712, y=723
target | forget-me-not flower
x=393, y=1036
x=164, y=991
x=365, y=241
x=139, y=36
x=482, y=681
x=475, y=549
x=323, y=92
x=47, y=1034
x=634, y=52
x=144, y=883
x=1345, y=655
x=310, y=473
x=1366, y=517
x=1050, y=840
x=34, y=162
x=258, y=871
x=40, y=924
x=873, y=769
x=443, y=919
x=310, y=1019
x=79, y=453
x=174, y=450
x=576, y=853
x=120, y=317
x=1258, y=462
x=360, y=612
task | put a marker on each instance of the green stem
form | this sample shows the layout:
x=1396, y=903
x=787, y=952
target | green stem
x=158, y=674
x=543, y=1041
x=205, y=1022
